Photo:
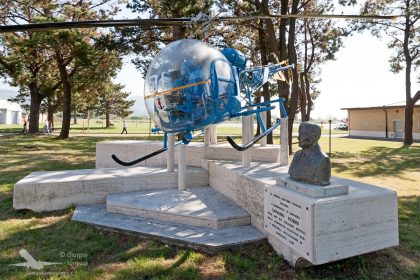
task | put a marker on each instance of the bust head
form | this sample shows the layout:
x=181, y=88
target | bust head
x=309, y=134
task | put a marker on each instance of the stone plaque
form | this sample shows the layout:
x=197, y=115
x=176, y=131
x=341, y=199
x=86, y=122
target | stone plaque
x=288, y=217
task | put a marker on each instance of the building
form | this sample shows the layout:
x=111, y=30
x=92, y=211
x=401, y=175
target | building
x=381, y=122
x=10, y=113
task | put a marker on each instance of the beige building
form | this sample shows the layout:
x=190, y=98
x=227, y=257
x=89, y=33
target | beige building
x=381, y=122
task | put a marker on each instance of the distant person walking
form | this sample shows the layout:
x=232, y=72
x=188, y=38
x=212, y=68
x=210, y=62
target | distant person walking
x=25, y=126
x=124, y=127
x=47, y=127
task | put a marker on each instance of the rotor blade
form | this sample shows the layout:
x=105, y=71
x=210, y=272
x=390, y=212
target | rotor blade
x=170, y=21
x=94, y=24
x=299, y=16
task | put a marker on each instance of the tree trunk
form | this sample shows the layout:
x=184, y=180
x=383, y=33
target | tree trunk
x=107, y=122
x=295, y=85
x=284, y=87
x=273, y=53
x=64, y=77
x=306, y=100
x=34, y=108
x=302, y=99
x=408, y=124
x=75, y=117
x=266, y=93
x=88, y=119
x=308, y=97
x=50, y=110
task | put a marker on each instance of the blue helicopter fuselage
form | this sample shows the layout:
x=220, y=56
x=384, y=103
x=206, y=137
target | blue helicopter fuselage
x=190, y=85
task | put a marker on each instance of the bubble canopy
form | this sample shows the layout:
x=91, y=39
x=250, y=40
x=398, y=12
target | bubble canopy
x=180, y=91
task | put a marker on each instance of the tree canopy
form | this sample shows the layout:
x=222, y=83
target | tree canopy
x=41, y=63
x=403, y=35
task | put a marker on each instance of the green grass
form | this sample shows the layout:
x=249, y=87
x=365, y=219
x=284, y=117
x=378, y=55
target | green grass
x=97, y=126
x=89, y=253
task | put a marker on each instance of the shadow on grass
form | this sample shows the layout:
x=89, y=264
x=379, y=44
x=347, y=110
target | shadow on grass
x=59, y=240
x=145, y=266
x=379, y=161
x=409, y=223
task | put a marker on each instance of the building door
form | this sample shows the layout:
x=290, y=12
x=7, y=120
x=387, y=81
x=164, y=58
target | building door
x=15, y=117
x=398, y=129
x=3, y=116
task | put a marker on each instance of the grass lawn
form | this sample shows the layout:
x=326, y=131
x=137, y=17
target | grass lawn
x=96, y=126
x=90, y=253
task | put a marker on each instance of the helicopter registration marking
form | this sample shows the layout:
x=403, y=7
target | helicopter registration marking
x=177, y=88
x=160, y=102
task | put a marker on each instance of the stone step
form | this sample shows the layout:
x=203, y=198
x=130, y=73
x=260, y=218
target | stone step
x=197, y=206
x=201, y=238
x=54, y=190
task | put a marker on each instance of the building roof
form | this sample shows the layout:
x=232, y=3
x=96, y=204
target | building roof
x=380, y=107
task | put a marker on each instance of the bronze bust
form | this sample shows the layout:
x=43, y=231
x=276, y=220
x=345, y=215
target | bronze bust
x=310, y=165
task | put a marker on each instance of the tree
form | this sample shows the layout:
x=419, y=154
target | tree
x=147, y=42
x=43, y=62
x=113, y=101
x=24, y=61
x=318, y=41
x=404, y=39
x=74, y=50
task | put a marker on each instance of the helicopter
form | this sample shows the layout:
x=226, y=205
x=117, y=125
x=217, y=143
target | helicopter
x=190, y=84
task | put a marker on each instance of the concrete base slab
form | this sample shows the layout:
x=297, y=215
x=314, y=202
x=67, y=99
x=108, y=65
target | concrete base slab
x=311, y=190
x=197, y=206
x=200, y=238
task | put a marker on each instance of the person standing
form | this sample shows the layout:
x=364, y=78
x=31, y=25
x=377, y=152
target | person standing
x=47, y=127
x=25, y=126
x=124, y=127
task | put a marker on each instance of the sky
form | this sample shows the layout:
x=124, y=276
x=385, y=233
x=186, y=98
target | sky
x=359, y=77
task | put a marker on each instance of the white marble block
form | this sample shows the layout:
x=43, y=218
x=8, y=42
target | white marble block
x=195, y=151
x=322, y=230
x=311, y=190
x=334, y=228
x=54, y=190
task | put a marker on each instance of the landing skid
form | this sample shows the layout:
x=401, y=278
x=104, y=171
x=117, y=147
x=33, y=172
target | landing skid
x=253, y=141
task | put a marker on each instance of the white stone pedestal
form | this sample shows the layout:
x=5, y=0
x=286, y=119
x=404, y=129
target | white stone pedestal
x=323, y=230
x=311, y=190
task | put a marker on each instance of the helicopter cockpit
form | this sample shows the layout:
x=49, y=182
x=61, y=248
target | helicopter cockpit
x=189, y=85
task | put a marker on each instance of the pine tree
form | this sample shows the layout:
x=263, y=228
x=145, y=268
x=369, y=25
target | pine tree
x=404, y=39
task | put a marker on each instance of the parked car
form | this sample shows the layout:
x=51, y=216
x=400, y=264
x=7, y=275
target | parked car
x=341, y=125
